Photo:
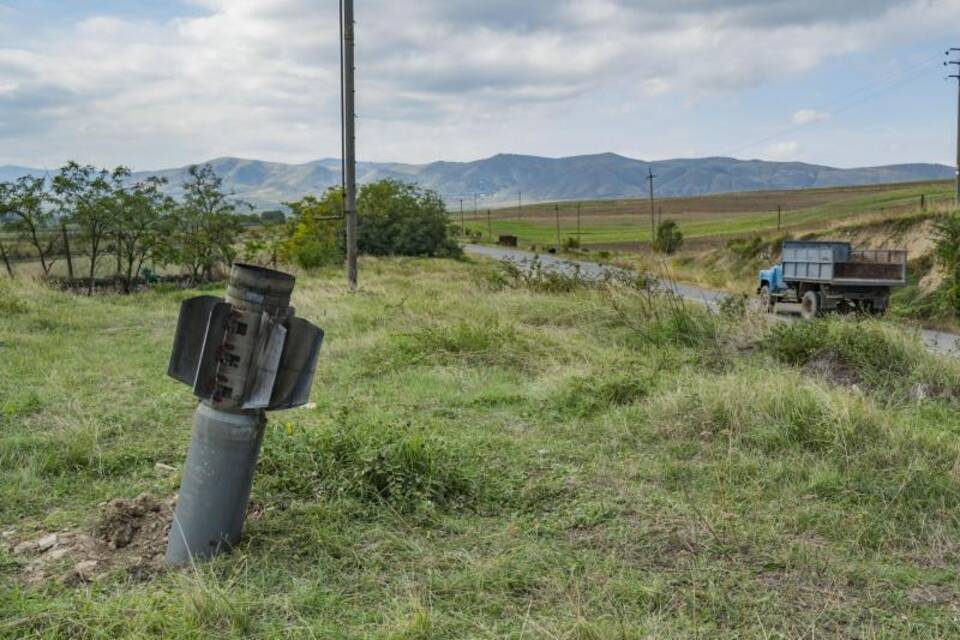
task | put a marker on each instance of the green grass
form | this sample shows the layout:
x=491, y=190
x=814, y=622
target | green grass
x=620, y=221
x=488, y=458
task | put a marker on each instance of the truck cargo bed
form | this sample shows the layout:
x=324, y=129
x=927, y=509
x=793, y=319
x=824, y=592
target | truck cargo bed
x=836, y=263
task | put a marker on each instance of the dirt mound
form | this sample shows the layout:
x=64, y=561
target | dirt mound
x=130, y=535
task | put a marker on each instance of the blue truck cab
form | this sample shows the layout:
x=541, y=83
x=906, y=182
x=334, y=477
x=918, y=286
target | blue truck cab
x=832, y=276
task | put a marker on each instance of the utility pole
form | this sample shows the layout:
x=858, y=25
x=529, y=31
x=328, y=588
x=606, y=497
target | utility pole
x=520, y=205
x=779, y=216
x=556, y=208
x=653, y=221
x=951, y=51
x=489, y=226
x=463, y=226
x=578, y=223
x=474, y=205
x=349, y=138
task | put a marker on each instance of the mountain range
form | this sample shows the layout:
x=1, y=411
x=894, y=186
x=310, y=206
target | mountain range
x=499, y=179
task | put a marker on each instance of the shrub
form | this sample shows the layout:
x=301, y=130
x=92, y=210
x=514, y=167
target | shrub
x=313, y=234
x=864, y=352
x=947, y=249
x=403, y=219
x=669, y=237
x=368, y=460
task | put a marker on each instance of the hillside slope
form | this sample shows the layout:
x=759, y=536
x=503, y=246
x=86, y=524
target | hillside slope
x=499, y=179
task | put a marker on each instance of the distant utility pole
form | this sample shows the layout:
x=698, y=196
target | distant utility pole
x=779, y=216
x=578, y=222
x=519, y=205
x=347, y=72
x=463, y=226
x=489, y=226
x=653, y=220
x=951, y=51
x=556, y=208
x=474, y=205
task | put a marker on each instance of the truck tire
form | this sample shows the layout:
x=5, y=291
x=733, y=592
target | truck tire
x=810, y=305
x=766, y=300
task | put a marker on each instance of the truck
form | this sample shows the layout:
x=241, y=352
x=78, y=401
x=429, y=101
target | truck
x=831, y=276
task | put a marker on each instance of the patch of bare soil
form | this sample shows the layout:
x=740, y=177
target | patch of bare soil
x=129, y=535
x=830, y=368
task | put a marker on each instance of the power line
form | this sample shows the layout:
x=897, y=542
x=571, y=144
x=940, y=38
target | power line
x=956, y=50
x=844, y=104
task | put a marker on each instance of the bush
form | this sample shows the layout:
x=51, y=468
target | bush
x=313, y=238
x=864, y=352
x=669, y=237
x=947, y=249
x=571, y=244
x=399, y=219
x=368, y=460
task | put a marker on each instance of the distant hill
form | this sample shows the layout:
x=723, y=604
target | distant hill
x=498, y=179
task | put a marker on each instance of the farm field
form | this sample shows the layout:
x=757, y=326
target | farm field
x=493, y=456
x=625, y=224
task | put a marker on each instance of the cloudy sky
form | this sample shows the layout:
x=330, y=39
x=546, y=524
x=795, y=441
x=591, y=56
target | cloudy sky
x=158, y=83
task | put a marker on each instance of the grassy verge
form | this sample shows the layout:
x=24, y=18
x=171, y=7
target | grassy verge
x=494, y=455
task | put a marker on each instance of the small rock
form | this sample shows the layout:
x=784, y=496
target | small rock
x=84, y=570
x=27, y=546
x=8, y=534
x=164, y=468
x=57, y=554
x=47, y=542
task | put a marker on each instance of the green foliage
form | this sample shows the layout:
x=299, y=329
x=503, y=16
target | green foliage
x=369, y=460
x=403, y=219
x=669, y=238
x=204, y=229
x=314, y=237
x=273, y=217
x=143, y=217
x=864, y=352
x=571, y=244
x=745, y=250
x=27, y=202
x=947, y=249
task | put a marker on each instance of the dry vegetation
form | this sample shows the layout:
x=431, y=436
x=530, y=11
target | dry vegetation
x=493, y=454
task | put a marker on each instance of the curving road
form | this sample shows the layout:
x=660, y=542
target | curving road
x=935, y=341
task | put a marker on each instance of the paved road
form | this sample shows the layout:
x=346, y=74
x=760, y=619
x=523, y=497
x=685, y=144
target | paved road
x=936, y=341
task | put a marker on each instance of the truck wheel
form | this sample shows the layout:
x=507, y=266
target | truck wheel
x=766, y=301
x=810, y=305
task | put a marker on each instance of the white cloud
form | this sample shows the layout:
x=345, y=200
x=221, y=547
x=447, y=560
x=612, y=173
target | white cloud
x=786, y=150
x=806, y=116
x=436, y=78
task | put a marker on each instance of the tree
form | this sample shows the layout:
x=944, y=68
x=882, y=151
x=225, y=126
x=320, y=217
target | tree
x=33, y=217
x=669, y=237
x=85, y=195
x=204, y=229
x=142, y=219
x=947, y=250
x=314, y=232
x=397, y=218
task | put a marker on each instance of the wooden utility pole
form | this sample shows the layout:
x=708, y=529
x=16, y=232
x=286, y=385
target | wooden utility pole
x=956, y=62
x=519, y=205
x=348, y=71
x=779, y=216
x=463, y=225
x=653, y=221
x=556, y=209
x=578, y=222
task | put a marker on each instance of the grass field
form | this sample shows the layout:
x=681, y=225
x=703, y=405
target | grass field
x=622, y=222
x=488, y=459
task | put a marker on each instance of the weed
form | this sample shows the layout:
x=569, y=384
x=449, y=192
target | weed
x=369, y=460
